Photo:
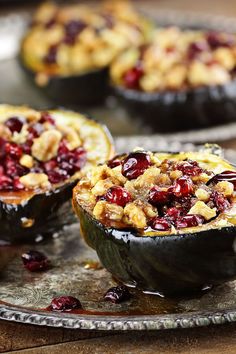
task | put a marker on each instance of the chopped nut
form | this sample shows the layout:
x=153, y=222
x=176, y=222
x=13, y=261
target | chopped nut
x=176, y=174
x=35, y=180
x=226, y=188
x=106, y=210
x=135, y=216
x=98, y=173
x=27, y=161
x=148, y=178
x=45, y=147
x=72, y=137
x=202, y=194
x=101, y=187
x=116, y=175
x=200, y=208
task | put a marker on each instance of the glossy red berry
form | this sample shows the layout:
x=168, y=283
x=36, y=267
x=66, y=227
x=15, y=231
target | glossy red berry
x=51, y=56
x=35, y=261
x=46, y=118
x=189, y=221
x=173, y=213
x=189, y=168
x=116, y=161
x=158, y=196
x=65, y=304
x=220, y=202
x=215, y=40
x=15, y=124
x=118, y=195
x=182, y=187
x=160, y=224
x=132, y=77
x=135, y=164
x=5, y=182
x=117, y=294
x=57, y=176
x=196, y=48
x=13, y=150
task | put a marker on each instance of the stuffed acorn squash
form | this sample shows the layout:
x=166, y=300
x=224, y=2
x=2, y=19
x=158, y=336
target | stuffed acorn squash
x=181, y=80
x=42, y=156
x=162, y=222
x=68, y=48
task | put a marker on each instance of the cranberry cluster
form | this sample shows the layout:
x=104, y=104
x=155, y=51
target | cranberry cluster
x=213, y=40
x=58, y=169
x=174, y=201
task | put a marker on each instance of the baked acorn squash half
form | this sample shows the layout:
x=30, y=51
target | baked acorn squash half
x=68, y=48
x=162, y=222
x=181, y=80
x=42, y=156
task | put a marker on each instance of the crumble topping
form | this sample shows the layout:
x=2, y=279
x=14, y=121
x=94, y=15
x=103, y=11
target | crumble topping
x=158, y=191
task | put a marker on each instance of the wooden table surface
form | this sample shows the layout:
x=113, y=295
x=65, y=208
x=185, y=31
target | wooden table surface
x=19, y=338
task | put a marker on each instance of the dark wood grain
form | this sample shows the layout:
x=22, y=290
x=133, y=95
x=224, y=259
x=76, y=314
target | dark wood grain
x=199, y=340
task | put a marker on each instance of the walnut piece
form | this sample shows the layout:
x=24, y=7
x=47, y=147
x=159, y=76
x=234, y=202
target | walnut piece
x=45, y=147
x=135, y=216
x=200, y=208
x=35, y=180
x=107, y=210
x=27, y=161
x=225, y=187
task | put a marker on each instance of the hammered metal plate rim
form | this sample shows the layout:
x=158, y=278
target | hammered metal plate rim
x=141, y=323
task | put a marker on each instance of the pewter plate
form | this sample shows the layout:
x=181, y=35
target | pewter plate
x=76, y=271
x=24, y=296
x=16, y=89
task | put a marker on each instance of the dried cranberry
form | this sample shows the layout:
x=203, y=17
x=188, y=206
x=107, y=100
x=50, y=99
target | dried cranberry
x=5, y=183
x=26, y=147
x=135, y=164
x=46, y=118
x=116, y=161
x=132, y=77
x=182, y=187
x=13, y=150
x=215, y=40
x=229, y=176
x=71, y=161
x=160, y=224
x=35, y=261
x=189, y=221
x=15, y=124
x=57, y=176
x=189, y=168
x=72, y=29
x=35, y=131
x=51, y=56
x=17, y=185
x=196, y=48
x=220, y=202
x=13, y=168
x=173, y=213
x=65, y=303
x=50, y=165
x=117, y=294
x=118, y=195
x=158, y=196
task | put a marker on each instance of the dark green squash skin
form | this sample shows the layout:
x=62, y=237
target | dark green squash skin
x=168, y=265
x=183, y=110
x=50, y=211
x=86, y=89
